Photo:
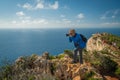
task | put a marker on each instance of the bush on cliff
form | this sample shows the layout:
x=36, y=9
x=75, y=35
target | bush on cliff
x=69, y=53
x=103, y=63
x=117, y=72
x=111, y=38
x=6, y=72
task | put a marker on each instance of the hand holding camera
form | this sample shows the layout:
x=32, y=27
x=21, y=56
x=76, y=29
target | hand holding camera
x=67, y=35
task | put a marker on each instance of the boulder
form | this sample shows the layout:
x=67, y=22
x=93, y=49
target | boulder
x=45, y=55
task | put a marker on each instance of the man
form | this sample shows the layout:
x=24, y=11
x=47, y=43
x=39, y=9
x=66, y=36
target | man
x=78, y=43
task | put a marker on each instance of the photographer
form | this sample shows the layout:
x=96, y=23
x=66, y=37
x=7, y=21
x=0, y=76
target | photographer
x=78, y=43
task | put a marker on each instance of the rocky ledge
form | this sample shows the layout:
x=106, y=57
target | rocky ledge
x=101, y=62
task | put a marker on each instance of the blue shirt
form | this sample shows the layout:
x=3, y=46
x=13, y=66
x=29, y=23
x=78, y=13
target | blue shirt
x=77, y=40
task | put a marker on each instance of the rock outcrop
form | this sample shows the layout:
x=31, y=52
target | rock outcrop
x=102, y=41
x=105, y=43
x=59, y=68
x=95, y=43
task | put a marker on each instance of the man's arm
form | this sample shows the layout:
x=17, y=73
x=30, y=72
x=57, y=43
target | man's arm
x=70, y=40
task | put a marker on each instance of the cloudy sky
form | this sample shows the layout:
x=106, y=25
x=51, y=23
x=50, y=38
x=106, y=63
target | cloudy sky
x=59, y=13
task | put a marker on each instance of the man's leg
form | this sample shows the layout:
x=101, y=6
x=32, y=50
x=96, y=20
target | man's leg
x=81, y=56
x=75, y=55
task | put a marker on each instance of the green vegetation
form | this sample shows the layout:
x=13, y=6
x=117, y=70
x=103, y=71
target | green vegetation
x=6, y=72
x=69, y=53
x=105, y=51
x=103, y=63
x=27, y=62
x=94, y=79
x=109, y=38
x=31, y=78
x=52, y=57
x=117, y=72
x=60, y=56
x=108, y=65
x=89, y=75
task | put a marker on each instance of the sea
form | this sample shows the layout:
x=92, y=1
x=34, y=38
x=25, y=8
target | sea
x=25, y=42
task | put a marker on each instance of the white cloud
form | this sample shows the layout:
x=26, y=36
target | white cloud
x=111, y=14
x=62, y=16
x=66, y=21
x=27, y=6
x=54, y=6
x=30, y=21
x=25, y=21
x=65, y=7
x=14, y=22
x=110, y=24
x=39, y=6
x=103, y=17
x=21, y=13
x=37, y=0
x=22, y=17
x=25, y=17
x=81, y=16
x=40, y=21
x=116, y=13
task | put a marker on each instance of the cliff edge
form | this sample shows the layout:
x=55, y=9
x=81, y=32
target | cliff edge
x=101, y=62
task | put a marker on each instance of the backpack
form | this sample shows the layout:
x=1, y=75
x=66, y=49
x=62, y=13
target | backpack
x=83, y=38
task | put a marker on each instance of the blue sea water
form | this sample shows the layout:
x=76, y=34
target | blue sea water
x=24, y=42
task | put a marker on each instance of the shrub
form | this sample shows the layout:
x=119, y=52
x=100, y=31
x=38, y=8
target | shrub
x=108, y=64
x=94, y=79
x=61, y=56
x=31, y=78
x=27, y=62
x=69, y=53
x=6, y=72
x=117, y=72
x=33, y=57
x=52, y=57
x=111, y=38
x=105, y=51
x=88, y=75
x=104, y=64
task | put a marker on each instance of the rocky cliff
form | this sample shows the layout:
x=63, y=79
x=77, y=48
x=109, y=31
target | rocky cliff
x=101, y=62
x=103, y=41
x=107, y=44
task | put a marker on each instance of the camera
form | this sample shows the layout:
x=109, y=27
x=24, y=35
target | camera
x=67, y=35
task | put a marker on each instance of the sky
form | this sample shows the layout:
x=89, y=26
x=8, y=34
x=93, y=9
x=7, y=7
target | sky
x=59, y=14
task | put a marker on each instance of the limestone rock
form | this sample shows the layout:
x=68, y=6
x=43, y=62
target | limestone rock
x=95, y=43
x=45, y=55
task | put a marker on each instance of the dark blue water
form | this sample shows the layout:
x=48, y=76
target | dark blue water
x=21, y=42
